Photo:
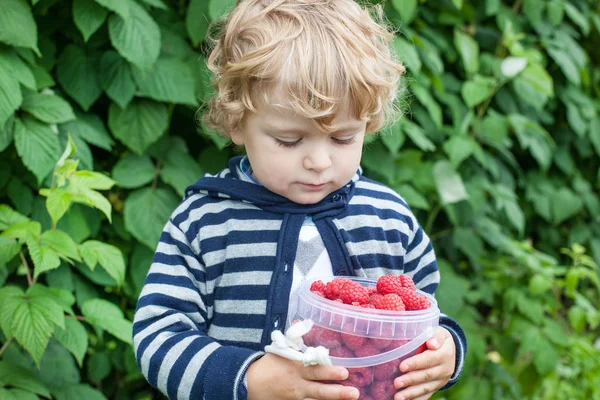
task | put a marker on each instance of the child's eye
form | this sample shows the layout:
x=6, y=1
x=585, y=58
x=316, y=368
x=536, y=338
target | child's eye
x=344, y=141
x=289, y=145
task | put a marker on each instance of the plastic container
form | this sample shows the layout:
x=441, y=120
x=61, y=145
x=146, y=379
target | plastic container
x=371, y=343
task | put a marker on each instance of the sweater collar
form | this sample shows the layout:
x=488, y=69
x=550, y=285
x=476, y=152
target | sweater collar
x=233, y=183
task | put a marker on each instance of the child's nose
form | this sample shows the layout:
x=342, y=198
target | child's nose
x=317, y=160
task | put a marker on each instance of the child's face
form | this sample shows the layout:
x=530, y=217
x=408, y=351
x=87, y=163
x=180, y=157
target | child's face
x=292, y=158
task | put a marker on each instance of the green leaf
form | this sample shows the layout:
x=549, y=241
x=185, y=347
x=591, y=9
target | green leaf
x=196, y=20
x=133, y=171
x=17, y=394
x=512, y=66
x=157, y=4
x=121, y=7
x=218, y=8
x=417, y=135
x=57, y=203
x=476, y=91
x=577, y=318
x=469, y=242
x=537, y=76
x=565, y=204
x=98, y=367
x=140, y=124
x=407, y=54
x=459, y=148
x=10, y=61
x=61, y=243
x=22, y=378
x=413, y=197
x=9, y=248
x=576, y=120
x=21, y=196
x=117, y=79
x=88, y=16
x=555, y=11
x=594, y=134
x=393, y=138
x=44, y=257
x=11, y=297
x=539, y=284
x=74, y=337
x=169, y=80
x=10, y=92
x=449, y=183
x=545, y=356
x=577, y=17
x=58, y=368
x=109, y=317
x=78, y=75
x=90, y=128
x=47, y=108
x=146, y=213
x=533, y=137
x=426, y=99
x=17, y=26
x=42, y=77
x=468, y=48
x=32, y=328
x=108, y=256
x=566, y=64
x=9, y=217
x=7, y=132
x=78, y=392
x=23, y=230
x=136, y=38
x=180, y=170
x=407, y=9
x=38, y=146
x=91, y=180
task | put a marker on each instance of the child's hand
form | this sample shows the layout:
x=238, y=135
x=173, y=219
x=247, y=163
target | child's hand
x=426, y=373
x=274, y=377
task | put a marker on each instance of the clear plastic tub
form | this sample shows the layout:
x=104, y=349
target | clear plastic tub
x=371, y=343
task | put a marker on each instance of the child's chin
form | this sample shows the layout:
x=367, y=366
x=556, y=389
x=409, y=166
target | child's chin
x=308, y=198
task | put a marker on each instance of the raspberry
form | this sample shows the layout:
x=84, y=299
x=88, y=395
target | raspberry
x=410, y=298
x=388, y=370
x=388, y=284
x=372, y=290
x=353, y=342
x=334, y=287
x=328, y=338
x=310, y=338
x=383, y=390
x=407, y=282
x=367, y=350
x=421, y=349
x=390, y=302
x=366, y=397
x=341, y=352
x=360, y=376
x=319, y=293
x=368, y=305
x=424, y=302
x=353, y=292
x=375, y=298
x=318, y=286
x=396, y=343
x=362, y=391
x=380, y=343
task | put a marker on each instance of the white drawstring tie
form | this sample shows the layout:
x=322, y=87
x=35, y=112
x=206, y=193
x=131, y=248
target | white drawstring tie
x=290, y=345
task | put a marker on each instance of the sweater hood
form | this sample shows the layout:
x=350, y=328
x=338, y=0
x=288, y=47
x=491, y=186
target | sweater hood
x=229, y=183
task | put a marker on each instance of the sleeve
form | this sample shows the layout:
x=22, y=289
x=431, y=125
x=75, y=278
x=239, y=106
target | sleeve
x=170, y=339
x=420, y=263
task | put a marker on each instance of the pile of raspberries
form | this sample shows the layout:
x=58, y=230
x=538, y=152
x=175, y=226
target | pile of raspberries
x=392, y=292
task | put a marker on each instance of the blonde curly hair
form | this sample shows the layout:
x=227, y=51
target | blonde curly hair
x=326, y=54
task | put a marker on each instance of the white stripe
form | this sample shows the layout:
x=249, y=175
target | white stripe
x=178, y=292
x=382, y=204
x=173, y=250
x=258, y=278
x=170, y=358
x=235, y=334
x=232, y=251
x=152, y=348
x=375, y=247
x=242, y=225
x=161, y=324
x=191, y=372
x=417, y=251
x=214, y=208
x=152, y=311
x=255, y=307
x=177, y=270
x=372, y=221
x=377, y=188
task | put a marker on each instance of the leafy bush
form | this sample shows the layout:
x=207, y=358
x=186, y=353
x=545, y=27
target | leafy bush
x=498, y=154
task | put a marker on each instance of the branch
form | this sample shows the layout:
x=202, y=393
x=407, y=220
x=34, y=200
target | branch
x=24, y=261
x=156, y=172
x=5, y=346
x=78, y=317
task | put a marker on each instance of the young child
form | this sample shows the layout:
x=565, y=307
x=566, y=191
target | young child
x=299, y=85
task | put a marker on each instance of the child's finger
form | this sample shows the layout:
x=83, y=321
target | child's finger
x=324, y=373
x=418, y=377
x=437, y=340
x=422, y=391
x=424, y=360
x=331, y=392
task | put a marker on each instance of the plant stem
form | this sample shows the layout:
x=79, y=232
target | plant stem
x=5, y=345
x=156, y=172
x=432, y=216
x=24, y=261
x=78, y=317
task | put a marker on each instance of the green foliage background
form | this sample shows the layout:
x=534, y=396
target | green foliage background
x=498, y=155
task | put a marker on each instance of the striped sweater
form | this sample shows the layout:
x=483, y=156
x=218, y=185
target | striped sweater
x=220, y=280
